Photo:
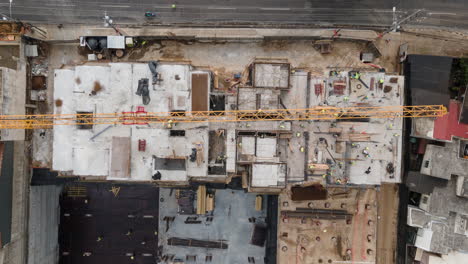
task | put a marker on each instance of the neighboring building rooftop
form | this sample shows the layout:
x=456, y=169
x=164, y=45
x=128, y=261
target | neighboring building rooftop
x=464, y=109
x=428, y=79
x=443, y=226
x=443, y=162
x=462, y=186
x=420, y=183
x=443, y=128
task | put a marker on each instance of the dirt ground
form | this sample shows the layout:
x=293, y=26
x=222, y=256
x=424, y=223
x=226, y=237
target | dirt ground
x=387, y=223
x=310, y=241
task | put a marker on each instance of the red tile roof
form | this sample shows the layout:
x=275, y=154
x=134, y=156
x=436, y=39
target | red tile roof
x=448, y=126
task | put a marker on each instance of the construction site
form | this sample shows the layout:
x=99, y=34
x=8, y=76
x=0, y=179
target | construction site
x=210, y=149
x=268, y=147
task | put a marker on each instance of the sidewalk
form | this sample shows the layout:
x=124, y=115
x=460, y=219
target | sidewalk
x=73, y=32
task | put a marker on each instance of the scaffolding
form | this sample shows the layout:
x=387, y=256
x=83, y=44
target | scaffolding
x=142, y=117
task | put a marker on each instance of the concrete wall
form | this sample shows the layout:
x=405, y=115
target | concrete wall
x=13, y=96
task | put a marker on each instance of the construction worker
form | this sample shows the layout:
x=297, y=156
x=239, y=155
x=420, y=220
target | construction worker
x=99, y=239
x=381, y=82
x=129, y=232
x=356, y=76
x=169, y=123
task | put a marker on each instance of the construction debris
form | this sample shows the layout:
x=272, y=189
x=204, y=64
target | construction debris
x=143, y=90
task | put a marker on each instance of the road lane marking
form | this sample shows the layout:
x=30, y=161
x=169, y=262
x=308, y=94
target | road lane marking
x=440, y=13
x=223, y=8
x=117, y=6
x=275, y=9
x=61, y=5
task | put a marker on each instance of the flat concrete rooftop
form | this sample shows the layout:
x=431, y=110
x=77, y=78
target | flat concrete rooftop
x=335, y=152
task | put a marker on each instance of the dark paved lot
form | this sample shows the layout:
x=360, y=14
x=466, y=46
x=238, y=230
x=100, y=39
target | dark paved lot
x=446, y=13
x=102, y=214
x=6, y=185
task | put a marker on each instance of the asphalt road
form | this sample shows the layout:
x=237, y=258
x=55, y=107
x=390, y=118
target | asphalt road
x=445, y=13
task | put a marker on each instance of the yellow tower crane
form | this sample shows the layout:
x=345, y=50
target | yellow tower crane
x=141, y=117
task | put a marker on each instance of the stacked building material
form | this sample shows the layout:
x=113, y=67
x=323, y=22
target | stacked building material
x=176, y=241
x=317, y=214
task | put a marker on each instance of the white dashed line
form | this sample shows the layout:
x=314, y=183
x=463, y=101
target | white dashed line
x=439, y=13
x=222, y=8
x=61, y=5
x=117, y=6
x=275, y=9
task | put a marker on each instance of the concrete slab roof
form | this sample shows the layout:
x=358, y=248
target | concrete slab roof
x=443, y=162
x=272, y=75
x=267, y=175
x=358, y=152
x=105, y=89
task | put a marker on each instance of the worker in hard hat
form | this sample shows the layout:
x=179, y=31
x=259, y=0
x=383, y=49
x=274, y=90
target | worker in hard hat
x=129, y=232
x=356, y=76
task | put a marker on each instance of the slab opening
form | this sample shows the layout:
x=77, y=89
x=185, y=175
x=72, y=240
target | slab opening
x=84, y=120
x=177, y=133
